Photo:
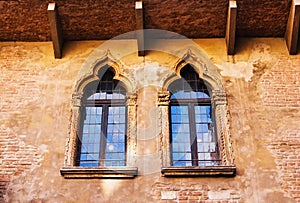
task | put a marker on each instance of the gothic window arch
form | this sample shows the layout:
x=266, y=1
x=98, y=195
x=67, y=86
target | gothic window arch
x=102, y=137
x=101, y=141
x=194, y=129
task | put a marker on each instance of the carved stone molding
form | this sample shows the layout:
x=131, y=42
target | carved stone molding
x=94, y=70
x=213, y=80
x=203, y=66
x=89, y=76
x=131, y=128
x=131, y=99
x=218, y=97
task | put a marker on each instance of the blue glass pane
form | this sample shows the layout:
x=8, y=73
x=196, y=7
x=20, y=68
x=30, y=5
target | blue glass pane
x=180, y=128
x=89, y=164
x=115, y=145
x=105, y=95
x=183, y=94
x=90, y=141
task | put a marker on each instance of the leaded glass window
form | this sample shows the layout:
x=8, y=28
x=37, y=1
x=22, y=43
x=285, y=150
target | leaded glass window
x=102, y=141
x=193, y=138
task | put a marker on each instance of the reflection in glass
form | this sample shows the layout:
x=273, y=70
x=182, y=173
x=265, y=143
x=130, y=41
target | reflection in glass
x=103, y=136
x=193, y=141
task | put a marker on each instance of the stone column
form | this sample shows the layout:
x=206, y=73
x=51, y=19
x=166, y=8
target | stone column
x=219, y=107
x=163, y=125
x=71, y=145
x=131, y=129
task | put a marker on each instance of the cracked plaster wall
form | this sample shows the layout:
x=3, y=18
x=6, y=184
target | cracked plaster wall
x=35, y=110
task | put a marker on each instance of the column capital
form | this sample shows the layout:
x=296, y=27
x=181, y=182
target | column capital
x=76, y=99
x=163, y=98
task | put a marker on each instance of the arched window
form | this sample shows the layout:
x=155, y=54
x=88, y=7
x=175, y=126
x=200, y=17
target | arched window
x=102, y=141
x=192, y=135
x=194, y=127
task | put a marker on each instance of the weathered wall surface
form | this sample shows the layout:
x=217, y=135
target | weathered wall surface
x=263, y=90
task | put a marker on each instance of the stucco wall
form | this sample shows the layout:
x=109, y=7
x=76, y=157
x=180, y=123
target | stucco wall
x=262, y=84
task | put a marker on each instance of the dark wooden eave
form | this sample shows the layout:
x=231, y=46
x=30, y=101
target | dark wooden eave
x=102, y=20
x=55, y=30
x=292, y=28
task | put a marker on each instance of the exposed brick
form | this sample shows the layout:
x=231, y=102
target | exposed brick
x=281, y=87
x=193, y=197
x=28, y=84
x=289, y=162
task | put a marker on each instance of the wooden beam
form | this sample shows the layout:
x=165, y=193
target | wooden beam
x=55, y=29
x=292, y=28
x=139, y=16
x=231, y=28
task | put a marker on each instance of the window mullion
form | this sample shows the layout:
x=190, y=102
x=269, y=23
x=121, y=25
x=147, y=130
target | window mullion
x=193, y=135
x=104, y=121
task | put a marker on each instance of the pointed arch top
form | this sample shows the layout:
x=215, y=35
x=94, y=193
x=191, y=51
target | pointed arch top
x=94, y=68
x=201, y=64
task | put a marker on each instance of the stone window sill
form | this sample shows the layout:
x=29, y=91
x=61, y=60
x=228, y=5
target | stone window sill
x=109, y=172
x=224, y=171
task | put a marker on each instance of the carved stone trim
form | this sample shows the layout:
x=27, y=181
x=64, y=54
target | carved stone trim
x=202, y=65
x=131, y=128
x=89, y=75
x=131, y=99
x=218, y=97
x=71, y=145
x=164, y=134
x=92, y=72
x=208, y=72
x=76, y=99
x=163, y=98
x=219, y=105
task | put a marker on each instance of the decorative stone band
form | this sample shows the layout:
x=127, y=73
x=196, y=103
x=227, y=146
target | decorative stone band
x=224, y=171
x=111, y=172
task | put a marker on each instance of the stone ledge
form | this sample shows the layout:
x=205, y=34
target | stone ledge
x=224, y=171
x=111, y=172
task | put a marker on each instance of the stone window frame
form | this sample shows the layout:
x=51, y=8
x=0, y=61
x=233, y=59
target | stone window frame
x=91, y=74
x=209, y=74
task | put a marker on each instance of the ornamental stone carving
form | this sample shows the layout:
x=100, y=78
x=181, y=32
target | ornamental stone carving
x=163, y=98
x=131, y=99
x=212, y=79
x=76, y=99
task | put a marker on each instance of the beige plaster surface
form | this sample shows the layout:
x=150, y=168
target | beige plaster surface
x=36, y=92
